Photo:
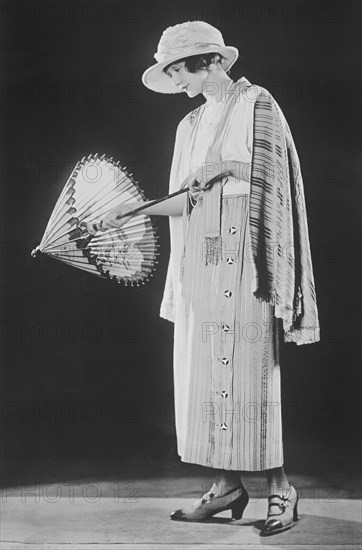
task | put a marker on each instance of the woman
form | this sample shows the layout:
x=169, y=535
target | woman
x=239, y=272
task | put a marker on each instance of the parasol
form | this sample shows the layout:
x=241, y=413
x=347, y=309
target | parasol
x=95, y=186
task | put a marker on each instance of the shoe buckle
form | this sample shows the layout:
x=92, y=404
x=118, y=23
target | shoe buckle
x=207, y=497
x=282, y=504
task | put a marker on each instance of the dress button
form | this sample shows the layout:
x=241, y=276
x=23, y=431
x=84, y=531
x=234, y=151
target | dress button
x=232, y=230
x=224, y=426
x=224, y=394
x=225, y=361
x=225, y=327
x=230, y=260
x=228, y=293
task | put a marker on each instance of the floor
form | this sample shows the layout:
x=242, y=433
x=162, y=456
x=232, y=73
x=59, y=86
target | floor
x=126, y=514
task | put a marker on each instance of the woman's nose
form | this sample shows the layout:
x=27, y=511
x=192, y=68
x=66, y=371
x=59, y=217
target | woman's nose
x=176, y=80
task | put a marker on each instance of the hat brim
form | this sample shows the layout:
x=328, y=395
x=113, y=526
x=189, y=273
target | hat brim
x=157, y=80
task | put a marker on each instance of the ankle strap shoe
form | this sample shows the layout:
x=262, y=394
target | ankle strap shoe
x=277, y=522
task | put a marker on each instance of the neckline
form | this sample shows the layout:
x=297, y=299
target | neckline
x=207, y=105
x=222, y=101
x=200, y=111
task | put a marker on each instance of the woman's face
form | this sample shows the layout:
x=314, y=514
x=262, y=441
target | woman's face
x=191, y=83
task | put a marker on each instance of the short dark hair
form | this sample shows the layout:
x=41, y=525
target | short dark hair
x=196, y=63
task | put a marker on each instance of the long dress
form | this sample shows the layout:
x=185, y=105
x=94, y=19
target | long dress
x=226, y=342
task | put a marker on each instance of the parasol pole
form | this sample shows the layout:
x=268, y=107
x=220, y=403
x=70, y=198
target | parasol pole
x=151, y=203
x=165, y=198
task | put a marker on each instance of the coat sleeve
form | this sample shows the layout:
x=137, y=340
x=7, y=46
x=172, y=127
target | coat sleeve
x=167, y=309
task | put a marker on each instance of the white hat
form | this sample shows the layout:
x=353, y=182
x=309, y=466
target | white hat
x=185, y=40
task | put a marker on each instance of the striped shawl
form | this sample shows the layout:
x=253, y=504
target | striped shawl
x=278, y=225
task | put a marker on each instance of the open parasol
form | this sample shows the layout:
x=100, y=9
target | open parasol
x=95, y=186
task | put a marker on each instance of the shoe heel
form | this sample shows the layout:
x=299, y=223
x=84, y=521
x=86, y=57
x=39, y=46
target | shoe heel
x=295, y=511
x=239, y=505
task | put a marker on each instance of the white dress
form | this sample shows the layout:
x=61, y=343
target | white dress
x=226, y=361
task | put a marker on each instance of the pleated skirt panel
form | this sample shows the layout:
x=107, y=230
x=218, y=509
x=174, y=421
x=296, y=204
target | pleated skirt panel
x=226, y=354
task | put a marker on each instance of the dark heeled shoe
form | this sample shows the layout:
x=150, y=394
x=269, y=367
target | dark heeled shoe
x=279, y=522
x=212, y=503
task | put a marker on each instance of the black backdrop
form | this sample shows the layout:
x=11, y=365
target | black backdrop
x=87, y=365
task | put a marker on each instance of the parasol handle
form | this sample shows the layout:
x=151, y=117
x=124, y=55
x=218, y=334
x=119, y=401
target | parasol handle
x=97, y=226
x=166, y=197
x=151, y=203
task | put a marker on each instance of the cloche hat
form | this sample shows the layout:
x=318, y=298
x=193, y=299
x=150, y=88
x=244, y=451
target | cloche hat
x=185, y=40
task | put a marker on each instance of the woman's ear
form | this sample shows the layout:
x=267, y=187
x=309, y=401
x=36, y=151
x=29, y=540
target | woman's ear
x=217, y=61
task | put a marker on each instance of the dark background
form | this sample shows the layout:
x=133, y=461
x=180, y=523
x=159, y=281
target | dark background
x=87, y=381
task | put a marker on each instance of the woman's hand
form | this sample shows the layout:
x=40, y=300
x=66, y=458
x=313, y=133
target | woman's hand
x=196, y=181
x=111, y=220
x=201, y=180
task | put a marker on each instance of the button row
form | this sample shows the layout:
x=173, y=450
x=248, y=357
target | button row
x=225, y=327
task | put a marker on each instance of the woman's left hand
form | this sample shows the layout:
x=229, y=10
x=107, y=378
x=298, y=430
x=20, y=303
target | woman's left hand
x=110, y=220
x=201, y=180
x=196, y=181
